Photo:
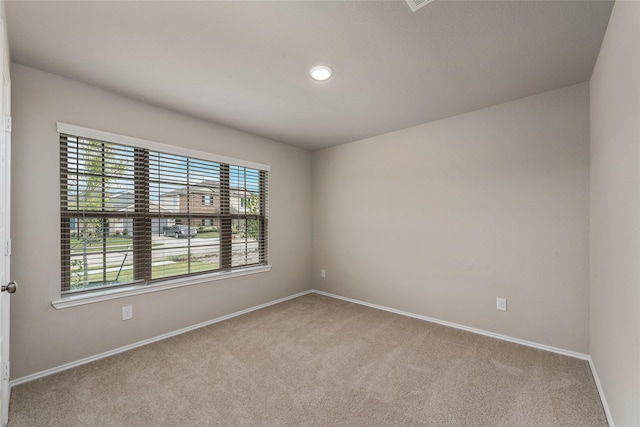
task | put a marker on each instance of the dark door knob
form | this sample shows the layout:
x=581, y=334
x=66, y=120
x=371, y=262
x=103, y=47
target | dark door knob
x=11, y=287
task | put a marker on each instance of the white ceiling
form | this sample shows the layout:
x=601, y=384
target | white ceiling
x=244, y=64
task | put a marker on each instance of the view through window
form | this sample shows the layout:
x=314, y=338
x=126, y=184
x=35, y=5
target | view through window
x=134, y=215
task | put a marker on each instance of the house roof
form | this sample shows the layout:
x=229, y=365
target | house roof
x=245, y=64
x=192, y=190
x=200, y=190
x=152, y=207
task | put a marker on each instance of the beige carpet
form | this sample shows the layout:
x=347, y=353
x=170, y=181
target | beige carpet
x=318, y=361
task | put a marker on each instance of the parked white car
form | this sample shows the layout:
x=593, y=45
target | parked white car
x=178, y=231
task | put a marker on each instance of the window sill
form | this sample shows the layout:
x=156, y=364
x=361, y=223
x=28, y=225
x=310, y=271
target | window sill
x=68, y=301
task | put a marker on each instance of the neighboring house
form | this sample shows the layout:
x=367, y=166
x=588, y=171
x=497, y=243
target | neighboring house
x=201, y=198
x=158, y=225
x=124, y=202
x=121, y=200
x=239, y=199
x=204, y=198
x=114, y=201
x=193, y=199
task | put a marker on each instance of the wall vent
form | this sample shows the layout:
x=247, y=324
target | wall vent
x=417, y=4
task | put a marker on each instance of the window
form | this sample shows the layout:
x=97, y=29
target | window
x=207, y=200
x=133, y=214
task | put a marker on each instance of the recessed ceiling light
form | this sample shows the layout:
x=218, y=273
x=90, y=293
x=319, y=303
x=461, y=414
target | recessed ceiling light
x=320, y=73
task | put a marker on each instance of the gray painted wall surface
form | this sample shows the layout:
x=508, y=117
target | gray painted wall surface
x=615, y=215
x=43, y=337
x=442, y=218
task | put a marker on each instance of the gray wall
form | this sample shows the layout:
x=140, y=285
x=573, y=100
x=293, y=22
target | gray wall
x=442, y=218
x=615, y=214
x=42, y=337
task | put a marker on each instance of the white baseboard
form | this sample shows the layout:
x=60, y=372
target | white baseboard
x=605, y=406
x=90, y=359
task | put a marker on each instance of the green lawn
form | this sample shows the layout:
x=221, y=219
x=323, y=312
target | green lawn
x=208, y=235
x=158, y=271
x=177, y=268
x=126, y=275
x=113, y=244
x=122, y=244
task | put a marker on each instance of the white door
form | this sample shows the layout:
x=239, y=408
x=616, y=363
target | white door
x=5, y=204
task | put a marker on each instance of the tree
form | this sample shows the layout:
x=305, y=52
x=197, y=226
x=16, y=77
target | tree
x=97, y=163
x=251, y=227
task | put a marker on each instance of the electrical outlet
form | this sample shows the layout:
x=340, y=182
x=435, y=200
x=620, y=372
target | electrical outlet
x=501, y=304
x=127, y=312
x=323, y=273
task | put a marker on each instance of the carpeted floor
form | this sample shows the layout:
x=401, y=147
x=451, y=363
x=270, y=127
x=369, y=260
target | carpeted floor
x=318, y=361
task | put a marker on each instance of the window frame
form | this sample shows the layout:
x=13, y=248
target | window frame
x=140, y=146
x=206, y=200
